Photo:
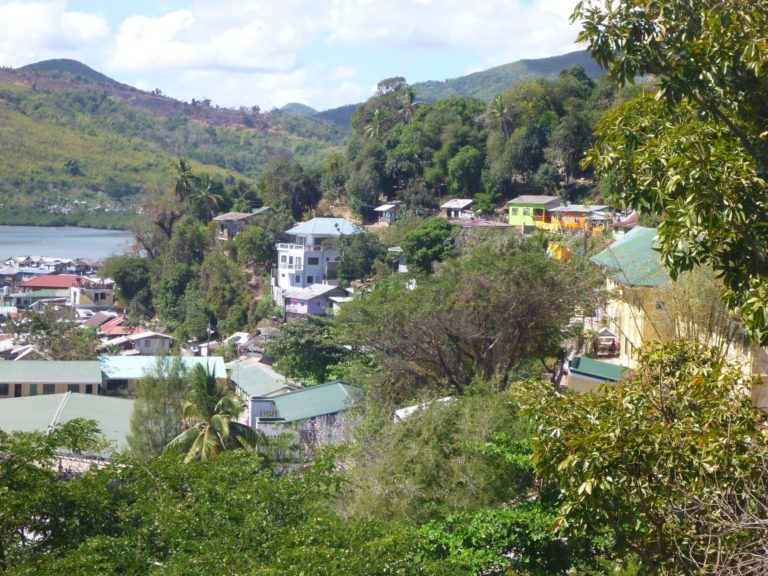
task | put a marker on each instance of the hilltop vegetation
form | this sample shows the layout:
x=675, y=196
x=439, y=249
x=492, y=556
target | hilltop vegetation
x=488, y=83
x=69, y=134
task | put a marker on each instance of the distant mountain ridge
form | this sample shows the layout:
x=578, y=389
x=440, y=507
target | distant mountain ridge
x=72, y=67
x=488, y=83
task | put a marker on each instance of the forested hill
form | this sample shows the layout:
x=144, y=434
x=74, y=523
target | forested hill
x=68, y=133
x=488, y=83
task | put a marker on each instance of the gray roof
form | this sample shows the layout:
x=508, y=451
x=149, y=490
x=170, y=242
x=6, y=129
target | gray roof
x=312, y=291
x=582, y=208
x=135, y=367
x=325, y=227
x=50, y=372
x=535, y=200
x=456, y=204
x=39, y=413
x=255, y=379
x=229, y=216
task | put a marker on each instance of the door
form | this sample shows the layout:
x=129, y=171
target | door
x=17, y=390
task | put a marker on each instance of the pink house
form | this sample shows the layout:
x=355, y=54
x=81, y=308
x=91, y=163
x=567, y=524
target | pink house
x=314, y=299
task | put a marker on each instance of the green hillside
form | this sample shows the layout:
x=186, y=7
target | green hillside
x=488, y=83
x=67, y=134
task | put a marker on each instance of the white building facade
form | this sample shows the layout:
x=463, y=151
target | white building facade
x=311, y=257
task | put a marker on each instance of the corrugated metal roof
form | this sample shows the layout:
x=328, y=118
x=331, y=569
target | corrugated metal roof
x=312, y=291
x=135, y=367
x=632, y=260
x=325, y=227
x=38, y=413
x=254, y=378
x=534, y=200
x=582, y=208
x=597, y=369
x=50, y=372
x=456, y=204
x=230, y=216
x=385, y=207
x=316, y=401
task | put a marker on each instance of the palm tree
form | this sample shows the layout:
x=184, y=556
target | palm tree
x=212, y=417
x=184, y=180
x=500, y=115
x=373, y=129
x=205, y=195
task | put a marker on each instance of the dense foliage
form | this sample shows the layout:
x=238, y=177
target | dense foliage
x=696, y=153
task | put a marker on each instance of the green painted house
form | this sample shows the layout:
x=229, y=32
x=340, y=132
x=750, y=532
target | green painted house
x=532, y=211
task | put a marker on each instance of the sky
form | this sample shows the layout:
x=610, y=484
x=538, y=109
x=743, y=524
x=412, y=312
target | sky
x=323, y=53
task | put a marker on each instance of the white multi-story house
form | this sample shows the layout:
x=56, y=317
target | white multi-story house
x=311, y=257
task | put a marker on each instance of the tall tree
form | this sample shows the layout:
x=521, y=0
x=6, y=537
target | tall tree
x=157, y=409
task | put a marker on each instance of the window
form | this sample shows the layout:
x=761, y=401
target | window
x=3, y=389
x=575, y=219
x=313, y=261
x=89, y=388
x=146, y=343
x=298, y=278
x=283, y=258
x=310, y=279
x=526, y=211
x=513, y=211
x=73, y=387
x=32, y=390
x=49, y=388
x=98, y=296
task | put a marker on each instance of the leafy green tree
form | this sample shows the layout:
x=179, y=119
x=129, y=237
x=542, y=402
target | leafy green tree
x=464, y=171
x=357, y=254
x=132, y=277
x=31, y=496
x=56, y=335
x=681, y=430
x=696, y=153
x=289, y=186
x=157, y=409
x=481, y=316
x=305, y=349
x=206, y=196
x=212, y=414
x=255, y=248
x=431, y=241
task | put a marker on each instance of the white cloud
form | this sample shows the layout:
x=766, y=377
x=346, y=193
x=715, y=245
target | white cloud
x=498, y=30
x=343, y=73
x=38, y=30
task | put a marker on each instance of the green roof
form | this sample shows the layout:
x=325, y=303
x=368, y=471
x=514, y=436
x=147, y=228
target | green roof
x=316, y=401
x=597, y=369
x=136, y=367
x=255, y=379
x=45, y=293
x=39, y=413
x=50, y=372
x=632, y=259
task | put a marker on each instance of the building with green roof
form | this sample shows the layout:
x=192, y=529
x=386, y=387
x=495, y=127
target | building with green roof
x=316, y=413
x=637, y=313
x=124, y=372
x=253, y=378
x=584, y=374
x=38, y=377
x=42, y=413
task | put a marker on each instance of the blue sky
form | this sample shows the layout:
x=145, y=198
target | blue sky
x=243, y=53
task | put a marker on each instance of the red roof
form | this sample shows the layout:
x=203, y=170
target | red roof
x=59, y=281
x=115, y=327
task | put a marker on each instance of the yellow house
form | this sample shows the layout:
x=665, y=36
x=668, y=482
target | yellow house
x=638, y=312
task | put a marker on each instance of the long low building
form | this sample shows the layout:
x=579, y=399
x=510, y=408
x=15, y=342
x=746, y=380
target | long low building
x=105, y=375
x=42, y=413
x=43, y=377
